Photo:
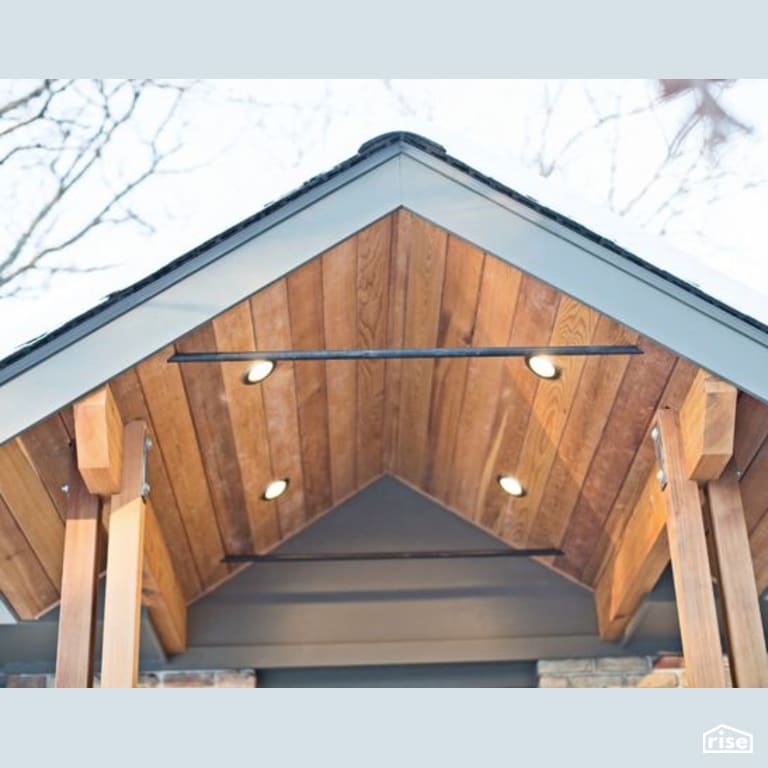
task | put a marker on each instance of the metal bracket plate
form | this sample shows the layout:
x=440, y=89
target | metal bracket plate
x=661, y=474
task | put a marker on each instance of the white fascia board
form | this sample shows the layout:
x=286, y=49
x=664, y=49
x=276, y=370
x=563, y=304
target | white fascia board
x=630, y=293
x=223, y=276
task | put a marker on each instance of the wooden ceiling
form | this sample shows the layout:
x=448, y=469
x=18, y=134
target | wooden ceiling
x=448, y=427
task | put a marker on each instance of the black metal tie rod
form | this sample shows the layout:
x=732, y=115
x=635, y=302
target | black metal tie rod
x=339, y=557
x=401, y=354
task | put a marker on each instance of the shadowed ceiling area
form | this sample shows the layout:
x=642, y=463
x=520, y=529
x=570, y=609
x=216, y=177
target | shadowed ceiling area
x=578, y=443
x=321, y=615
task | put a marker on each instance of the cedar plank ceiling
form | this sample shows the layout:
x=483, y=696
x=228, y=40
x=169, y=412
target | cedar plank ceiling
x=448, y=427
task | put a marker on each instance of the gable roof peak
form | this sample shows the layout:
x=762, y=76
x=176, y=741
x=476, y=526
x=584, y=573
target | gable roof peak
x=401, y=137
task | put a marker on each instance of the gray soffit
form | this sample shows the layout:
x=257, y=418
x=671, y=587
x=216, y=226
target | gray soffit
x=353, y=614
x=393, y=171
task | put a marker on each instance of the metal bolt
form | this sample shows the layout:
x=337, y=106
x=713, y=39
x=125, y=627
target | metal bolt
x=65, y=488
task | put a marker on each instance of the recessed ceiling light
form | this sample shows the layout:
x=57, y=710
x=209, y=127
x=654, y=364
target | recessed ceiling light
x=511, y=485
x=274, y=489
x=258, y=371
x=542, y=366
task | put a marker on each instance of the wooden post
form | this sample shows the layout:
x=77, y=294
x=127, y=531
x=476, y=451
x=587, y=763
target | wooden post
x=79, y=582
x=125, y=559
x=741, y=607
x=690, y=563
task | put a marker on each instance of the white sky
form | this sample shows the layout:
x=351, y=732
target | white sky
x=245, y=155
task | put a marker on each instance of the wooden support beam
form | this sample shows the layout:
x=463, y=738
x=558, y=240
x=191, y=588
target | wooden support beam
x=690, y=563
x=79, y=582
x=707, y=425
x=125, y=559
x=637, y=562
x=99, y=438
x=744, y=626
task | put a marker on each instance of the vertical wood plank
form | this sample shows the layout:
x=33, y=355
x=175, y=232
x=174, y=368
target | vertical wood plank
x=340, y=322
x=463, y=270
x=575, y=324
x=234, y=331
x=208, y=405
x=373, y=262
x=79, y=582
x=398, y=281
x=534, y=317
x=623, y=460
x=499, y=289
x=168, y=406
x=580, y=439
x=741, y=607
x=426, y=265
x=185, y=544
x=690, y=564
x=305, y=301
x=125, y=562
x=272, y=327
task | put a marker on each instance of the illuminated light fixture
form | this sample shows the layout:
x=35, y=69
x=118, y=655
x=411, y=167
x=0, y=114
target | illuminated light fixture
x=275, y=489
x=258, y=371
x=510, y=485
x=542, y=366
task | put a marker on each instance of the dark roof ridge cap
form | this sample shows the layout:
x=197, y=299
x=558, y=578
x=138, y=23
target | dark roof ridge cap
x=401, y=137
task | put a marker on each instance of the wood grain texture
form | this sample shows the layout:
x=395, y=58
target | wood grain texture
x=125, y=563
x=234, y=331
x=48, y=447
x=754, y=488
x=741, y=604
x=623, y=460
x=535, y=311
x=272, y=327
x=340, y=322
x=499, y=289
x=28, y=501
x=186, y=547
x=751, y=430
x=77, y=612
x=694, y=595
x=464, y=268
x=448, y=427
x=398, y=281
x=204, y=385
x=160, y=589
x=23, y=580
x=426, y=268
x=707, y=423
x=176, y=439
x=636, y=563
x=99, y=441
x=581, y=436
x=305, y=300
x=373, y=264
x=575, y=324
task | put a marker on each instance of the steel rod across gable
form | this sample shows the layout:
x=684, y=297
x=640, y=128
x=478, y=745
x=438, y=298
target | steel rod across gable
x=401, y=354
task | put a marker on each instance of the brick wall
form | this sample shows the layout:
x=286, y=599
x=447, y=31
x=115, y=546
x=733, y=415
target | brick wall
x=619, y=672
x=240, y=678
